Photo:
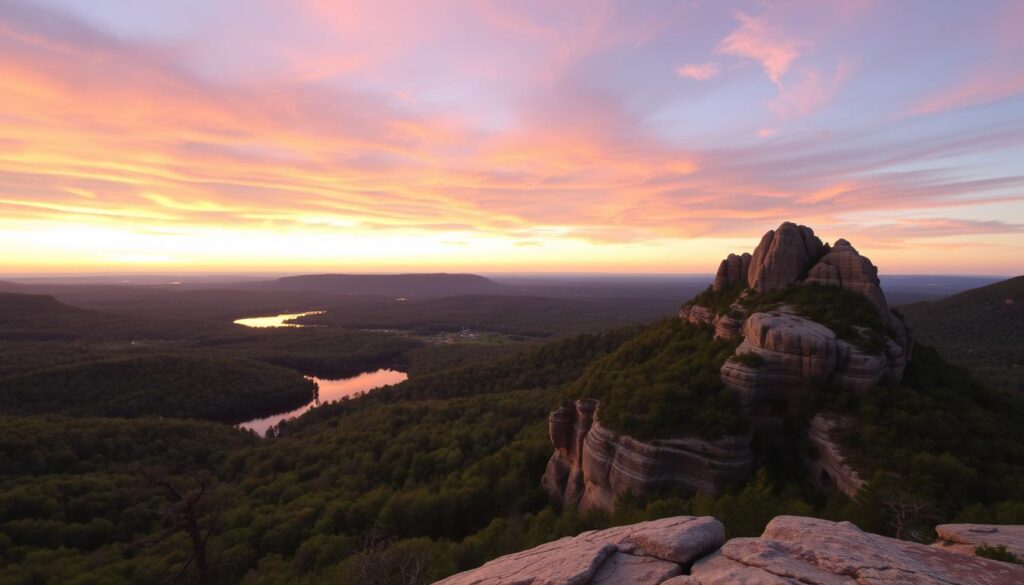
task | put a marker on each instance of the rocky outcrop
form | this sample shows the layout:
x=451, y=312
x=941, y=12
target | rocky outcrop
x=726, y=326
x=794, y=351
x=648, y=553
x=844, y=267
x=732, y=271
x=828, y=468
x=783, y=257
x=685, y=551
x=964, y=538
x=809, y=551
x=592, y=466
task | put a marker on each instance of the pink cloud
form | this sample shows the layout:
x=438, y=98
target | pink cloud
x=760, y=40
x=700, y=72
x=810, y=91
x=981, y=88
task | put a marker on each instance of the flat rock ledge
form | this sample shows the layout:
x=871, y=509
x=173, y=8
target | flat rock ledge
x=648, y=553
x=964, y=538
x=791, y=551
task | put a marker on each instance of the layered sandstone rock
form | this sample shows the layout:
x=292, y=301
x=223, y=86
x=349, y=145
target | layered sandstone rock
x=726, y=326
x=791, y=551
x=828, y=469
x=732, y=271
x=844, y=267
x=964, y=538
x=783, y=257
x=794, y=351
x=592, y=466
x=648, y=553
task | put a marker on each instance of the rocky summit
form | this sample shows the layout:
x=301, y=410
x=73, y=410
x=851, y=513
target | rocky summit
x=692, y=551
x=760, y=299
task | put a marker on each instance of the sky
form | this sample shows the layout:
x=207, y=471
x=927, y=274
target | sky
x=576, y=135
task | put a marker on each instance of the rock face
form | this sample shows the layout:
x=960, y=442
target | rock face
x=829, y=469
x=844, y=267
x=963, y=538
x=726, y=326
x=648, y=553
x=790, y=551
x=592, y=466
x=783, y=257
x=809, y=551
x=732, y=270
x=795, y=351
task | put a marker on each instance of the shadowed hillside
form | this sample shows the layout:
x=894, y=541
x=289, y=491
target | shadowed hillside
x=982, y=329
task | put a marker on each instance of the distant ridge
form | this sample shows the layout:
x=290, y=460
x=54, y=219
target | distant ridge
x=408, y=285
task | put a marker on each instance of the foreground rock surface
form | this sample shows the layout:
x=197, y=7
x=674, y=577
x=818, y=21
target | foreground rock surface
x=791, y=551
x=648, y=553
x=964, y=538
x=810, y=551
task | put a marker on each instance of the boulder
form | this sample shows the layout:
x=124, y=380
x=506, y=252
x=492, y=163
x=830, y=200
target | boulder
x=648, y=553
x=783, y=257
x=732, y=271
x=810, y=551
x=592, y=466
x=795, y=351
x=844, y=267
x=964, y=538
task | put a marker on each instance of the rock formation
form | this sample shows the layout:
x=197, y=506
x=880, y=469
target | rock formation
x=733, y=270
x=781, y=354
x=641, y=554
x=783, y=257
x=795, y=351
x=829, y=468
x=964, y=538
x=844, y=267
x=726, y=325
x=592, y=465
x=685, y=551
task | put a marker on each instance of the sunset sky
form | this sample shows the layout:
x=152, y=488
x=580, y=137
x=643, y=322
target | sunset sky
x=632, y=136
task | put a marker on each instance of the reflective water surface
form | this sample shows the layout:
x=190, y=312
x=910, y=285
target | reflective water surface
x=331, y=390
x=275, y=320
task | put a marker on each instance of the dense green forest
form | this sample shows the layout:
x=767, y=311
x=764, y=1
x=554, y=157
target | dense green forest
x=982, y=329
x=664, y=381
x=442, y=472
x=181, y=385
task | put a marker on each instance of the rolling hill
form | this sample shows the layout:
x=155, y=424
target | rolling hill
x=982, y=329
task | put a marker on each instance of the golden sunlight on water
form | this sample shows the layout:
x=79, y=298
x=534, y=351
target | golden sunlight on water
x=275, y=320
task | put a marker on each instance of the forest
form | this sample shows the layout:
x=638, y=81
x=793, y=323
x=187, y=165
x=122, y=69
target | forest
x=413, y=482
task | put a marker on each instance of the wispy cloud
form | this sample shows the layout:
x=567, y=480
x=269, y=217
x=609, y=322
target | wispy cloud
x=764, y=42
x=700, y=72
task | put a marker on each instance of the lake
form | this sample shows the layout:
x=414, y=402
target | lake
x=330, y=390
x=275, y=320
